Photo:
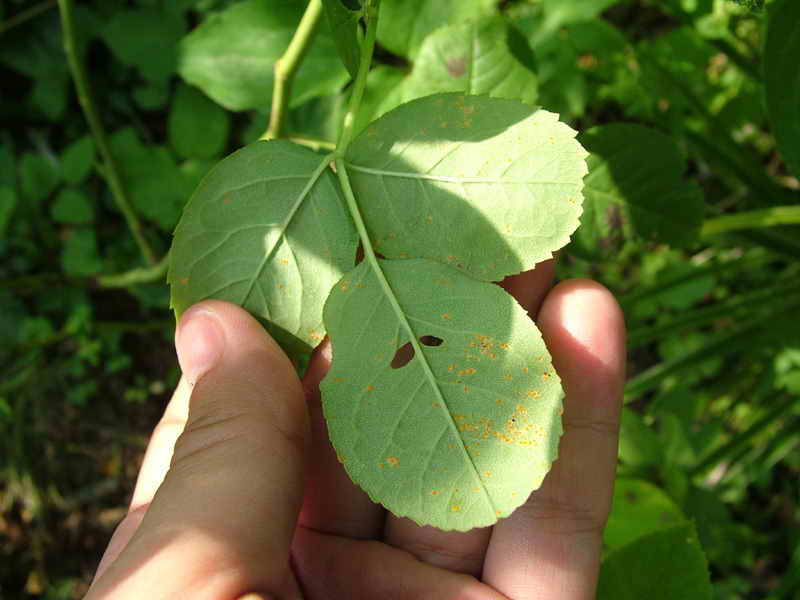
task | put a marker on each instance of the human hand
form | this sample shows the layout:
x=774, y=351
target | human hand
x=241, y=493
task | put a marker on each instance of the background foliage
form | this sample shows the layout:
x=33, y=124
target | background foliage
x=689, y=108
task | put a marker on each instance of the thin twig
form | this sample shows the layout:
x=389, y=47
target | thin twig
x=286, y=68
x=95, y=125
x=26, y=15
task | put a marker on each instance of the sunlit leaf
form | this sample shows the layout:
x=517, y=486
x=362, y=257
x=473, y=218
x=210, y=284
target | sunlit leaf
x=267, y=230
x=487, y=185
x=232, y=54
x=455, y=428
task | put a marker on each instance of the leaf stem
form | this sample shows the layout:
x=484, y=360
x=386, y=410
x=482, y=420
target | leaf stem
x=26, y=15
x=367, y=48
x=135, y=276
x=286, y=67
x=768, y=217
x=96, y=126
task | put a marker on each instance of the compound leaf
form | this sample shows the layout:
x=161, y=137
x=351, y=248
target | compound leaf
x=404, y=24
x=343, y=22
x=267, y=230
x=232, y=54
x=473, y=58
x=441, y=401
x=635, y=188
x=782, y=79
x=488, y=185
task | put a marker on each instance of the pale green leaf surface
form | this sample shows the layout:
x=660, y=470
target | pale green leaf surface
x=464, y=432
x=343, y=22
x=490, y=186
x=627, y=196
x=404, y=24
x=639, y=508
x=262, y=232
x=663, y=565
x=232, y=54
x=77, y=160
x=198, y=128
x=473, y=58
x=782, y=79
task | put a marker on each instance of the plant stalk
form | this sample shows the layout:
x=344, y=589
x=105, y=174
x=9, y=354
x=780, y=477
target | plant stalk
x=768, y=217
x=26, y=15
x=111, y=169
x=286, y=67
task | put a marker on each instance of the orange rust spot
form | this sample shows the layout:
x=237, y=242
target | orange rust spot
x=533, y=394
x=524, y=369
x=370, y=388
x=338, y=380
x=360, y=285
x=444, y=124
x=469, y=371
x=468, y=110
x=508, y=377
x=436, y=404
x=499, y=401
x=487, y=473
x=504, y=346
x=455, y=507
x=344, y=287
x=283, y=261
x=185, y=280
x=446, y=316
x=393, y=461
x=434, y=492
x=341, y=458
x=429, y=220
x=451, y=368
x=466, y=389
x=545, y=376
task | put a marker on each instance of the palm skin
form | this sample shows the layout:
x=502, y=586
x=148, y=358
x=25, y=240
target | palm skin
x=287, y=523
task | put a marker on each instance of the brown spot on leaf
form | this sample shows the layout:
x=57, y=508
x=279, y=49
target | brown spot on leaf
x=457, y=66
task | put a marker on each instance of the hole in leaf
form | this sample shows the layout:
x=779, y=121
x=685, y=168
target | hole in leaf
x=431, y=340
x=403, y=356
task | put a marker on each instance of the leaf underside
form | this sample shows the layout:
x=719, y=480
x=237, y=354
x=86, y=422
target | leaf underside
x=261, y=232
x=462, y=433
x=489, y=186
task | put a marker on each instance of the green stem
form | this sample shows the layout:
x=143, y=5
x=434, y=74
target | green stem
x=316, y=144
x=742, y=439
x=367, y=48
x=135, y=276
x=287, y=65
x=98, y=133
x=768, y=217
x=26, y=15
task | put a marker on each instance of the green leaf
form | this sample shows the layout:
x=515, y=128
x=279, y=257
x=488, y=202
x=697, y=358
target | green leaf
x=72, y=206
x=635, y=189
x=639, y=445
x=404, y=24
x=465, y=430
x=639, y=508
x=509, y=175
x=77, y=160
x=147, y=39
x=198, y=128
x=39, y=177
x=266, y=229
x=782, y=79
x=152, y=179
x=8, y=200
x=473, y=58
x=232, y=54
x=561, y=12
x=79, y=256
x=664, y=565
x=343, y=23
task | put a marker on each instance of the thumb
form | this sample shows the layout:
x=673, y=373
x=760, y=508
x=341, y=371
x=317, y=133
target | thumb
x=221, y=523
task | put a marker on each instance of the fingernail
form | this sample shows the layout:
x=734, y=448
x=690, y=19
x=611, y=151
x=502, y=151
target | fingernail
x=199, y=341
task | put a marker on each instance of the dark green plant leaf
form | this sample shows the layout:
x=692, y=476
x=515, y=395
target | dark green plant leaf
x=782, y=79
x=198, y=128
x=489, y=186
x=639, y=445
x=266, y=229
x=382, y=93
x=473, y=58
x=232, y=54
x=79, y=256
x=343, y=22
x=635, y=189
x=8, y=200
x=77, y=160
x=664, y=565
x=639, y=508
x=404, y=24
x=561, y=12
x=39, y=177
x=72, y=206
x=443, y=411
x=146, y=38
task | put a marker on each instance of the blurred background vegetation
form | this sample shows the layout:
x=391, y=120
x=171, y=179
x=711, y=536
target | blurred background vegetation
x=712, y=422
